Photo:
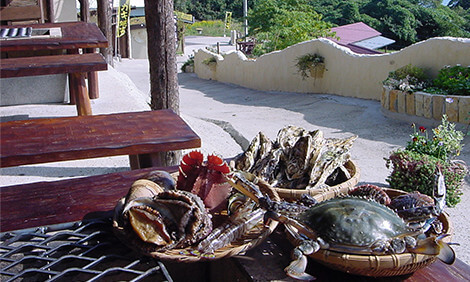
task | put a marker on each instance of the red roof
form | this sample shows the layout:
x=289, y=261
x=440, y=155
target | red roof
x=351, y=33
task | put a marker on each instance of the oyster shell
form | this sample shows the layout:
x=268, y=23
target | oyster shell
x=297, y=158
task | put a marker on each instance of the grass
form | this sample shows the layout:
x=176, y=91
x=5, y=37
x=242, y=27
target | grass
x=211, y=28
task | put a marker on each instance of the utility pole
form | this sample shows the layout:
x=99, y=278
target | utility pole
x=245, y=15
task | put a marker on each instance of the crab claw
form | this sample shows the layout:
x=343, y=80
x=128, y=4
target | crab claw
x=296, y=269
x=435, y=246
x=242, y=181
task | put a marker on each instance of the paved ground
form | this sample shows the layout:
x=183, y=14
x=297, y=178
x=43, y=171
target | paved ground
x=227, y=117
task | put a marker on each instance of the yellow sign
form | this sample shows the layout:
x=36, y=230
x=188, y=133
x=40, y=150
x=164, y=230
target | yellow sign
x=228, y=19
x=184, y=17
x=124, y=12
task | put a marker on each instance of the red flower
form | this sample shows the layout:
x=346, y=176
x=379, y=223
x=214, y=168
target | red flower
x=422, y=128
x=415, y=139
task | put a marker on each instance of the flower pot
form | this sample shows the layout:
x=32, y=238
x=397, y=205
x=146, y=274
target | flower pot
x=316, y=71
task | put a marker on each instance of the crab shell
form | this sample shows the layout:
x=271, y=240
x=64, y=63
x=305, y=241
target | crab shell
x=356, y=225
x=153, y=219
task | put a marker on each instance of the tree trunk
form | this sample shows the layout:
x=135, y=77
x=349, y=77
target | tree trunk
x=161, y=38
x=104, y=23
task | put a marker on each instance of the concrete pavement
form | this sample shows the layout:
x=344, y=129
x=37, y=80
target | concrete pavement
x=227, y=117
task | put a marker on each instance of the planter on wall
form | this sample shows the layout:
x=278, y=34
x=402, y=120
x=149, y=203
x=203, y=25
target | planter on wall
x=316, y=71
x=432, y=106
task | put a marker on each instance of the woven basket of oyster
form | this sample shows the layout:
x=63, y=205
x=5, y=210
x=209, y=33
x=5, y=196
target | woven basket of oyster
x=191, y=215
x=299, y=161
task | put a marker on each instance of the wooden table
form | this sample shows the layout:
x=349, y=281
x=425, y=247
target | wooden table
x=74, y=36
x=72, y=138
x=23, y=206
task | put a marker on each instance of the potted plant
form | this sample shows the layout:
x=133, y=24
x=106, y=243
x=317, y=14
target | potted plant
x=211, y=62
x=415, y=167
x=313, y=63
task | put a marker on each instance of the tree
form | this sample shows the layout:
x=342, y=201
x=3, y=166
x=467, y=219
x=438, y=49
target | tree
x=278, y=24
x=465, y=4
x=162, y=62
x=405, y=21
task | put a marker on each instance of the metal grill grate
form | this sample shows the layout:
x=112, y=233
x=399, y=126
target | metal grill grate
x=78, y=251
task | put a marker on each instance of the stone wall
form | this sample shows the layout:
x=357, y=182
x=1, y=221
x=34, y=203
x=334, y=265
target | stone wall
x=347, y=73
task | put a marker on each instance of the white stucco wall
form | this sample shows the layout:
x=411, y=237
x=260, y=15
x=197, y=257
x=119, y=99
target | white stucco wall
x=347, y=73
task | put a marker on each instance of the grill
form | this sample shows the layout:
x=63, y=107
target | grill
x=77, y=251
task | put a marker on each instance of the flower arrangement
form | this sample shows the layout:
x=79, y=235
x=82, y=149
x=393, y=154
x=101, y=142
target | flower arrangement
x=453, y=80
x=415, y=167
x=306, y=62
x=444, y=144
x=408, y=78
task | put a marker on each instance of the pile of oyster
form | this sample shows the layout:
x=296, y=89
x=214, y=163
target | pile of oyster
x=297, y=159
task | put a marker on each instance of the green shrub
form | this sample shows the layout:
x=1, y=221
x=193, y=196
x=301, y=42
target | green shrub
x=189, y=62
x=412, y=171
x=407, y=78
x=453, y=80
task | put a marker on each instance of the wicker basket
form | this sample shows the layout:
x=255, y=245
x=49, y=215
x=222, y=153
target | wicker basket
x=333, y=191
x=378, y=265
x=248, y=240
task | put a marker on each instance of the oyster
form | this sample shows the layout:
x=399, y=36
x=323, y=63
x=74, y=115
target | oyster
x=297, y=159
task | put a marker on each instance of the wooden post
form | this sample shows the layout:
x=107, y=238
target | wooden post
x=104, y=23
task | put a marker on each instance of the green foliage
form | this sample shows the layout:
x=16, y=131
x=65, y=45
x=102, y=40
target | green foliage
x=278, y=24
x=453, y=80
x=406, y=21
x=444, y=144
x=407, y=78
x=413, y=171
x=189, y=62
x=306, y=61
x=209, y=61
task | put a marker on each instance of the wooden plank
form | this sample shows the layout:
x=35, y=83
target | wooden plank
x=73, y=138
x=20, y=13
x=45, y=203
x=43, y=65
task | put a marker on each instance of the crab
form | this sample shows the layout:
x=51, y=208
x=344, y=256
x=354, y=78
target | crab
x=152, y=217
x=345, y=224
x=296, y=159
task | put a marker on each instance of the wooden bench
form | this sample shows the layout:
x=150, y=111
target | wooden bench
x=77, y=65
x=73, y=138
